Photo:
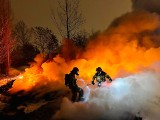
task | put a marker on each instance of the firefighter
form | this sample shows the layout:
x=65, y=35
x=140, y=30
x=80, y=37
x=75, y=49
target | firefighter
x=100, y=76
x=74, y=87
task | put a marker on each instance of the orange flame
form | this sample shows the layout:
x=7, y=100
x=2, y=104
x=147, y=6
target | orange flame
x=126, y=47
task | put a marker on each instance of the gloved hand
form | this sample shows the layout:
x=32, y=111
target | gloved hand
x=110, y=79
x=93, y=82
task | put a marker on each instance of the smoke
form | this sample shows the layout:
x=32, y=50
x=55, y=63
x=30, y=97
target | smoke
x=120, y=101
x=148, y=5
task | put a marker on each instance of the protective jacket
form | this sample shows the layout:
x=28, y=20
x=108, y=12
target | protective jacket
x=101, y=77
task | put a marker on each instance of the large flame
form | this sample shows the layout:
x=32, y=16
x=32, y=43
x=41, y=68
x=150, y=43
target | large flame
x=129, y=45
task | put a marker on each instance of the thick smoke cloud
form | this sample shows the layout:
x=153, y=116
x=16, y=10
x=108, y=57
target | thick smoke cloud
x=121, y=101
x=149, y=5
x=139, y=26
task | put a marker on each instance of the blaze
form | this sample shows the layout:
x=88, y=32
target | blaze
x=130, y=44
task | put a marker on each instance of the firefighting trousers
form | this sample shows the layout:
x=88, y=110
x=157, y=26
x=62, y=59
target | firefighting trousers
x=75, y=91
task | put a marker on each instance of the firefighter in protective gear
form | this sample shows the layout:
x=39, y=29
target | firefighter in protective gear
x=100, y=76
x=74, y=87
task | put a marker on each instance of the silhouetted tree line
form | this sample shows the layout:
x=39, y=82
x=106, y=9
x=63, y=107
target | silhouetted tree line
x=31, y=41
x=19, y=44
x=35, y=40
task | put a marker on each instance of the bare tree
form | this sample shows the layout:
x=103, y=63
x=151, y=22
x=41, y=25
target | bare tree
x=6, y=43
x=67, y=18
x=45, y=40
x=22, y=33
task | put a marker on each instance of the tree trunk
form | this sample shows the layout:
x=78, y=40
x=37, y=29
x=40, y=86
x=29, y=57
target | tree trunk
x=3, y=69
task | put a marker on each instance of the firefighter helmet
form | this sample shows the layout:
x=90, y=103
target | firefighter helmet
x=75, y=70
x=99, y=69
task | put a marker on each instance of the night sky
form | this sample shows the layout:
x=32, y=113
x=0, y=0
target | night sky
x=98, y=13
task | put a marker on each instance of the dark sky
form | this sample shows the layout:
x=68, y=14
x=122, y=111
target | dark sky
x=98, y=13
